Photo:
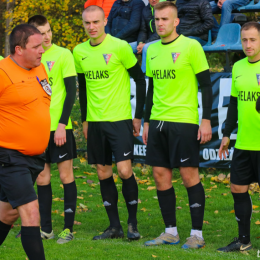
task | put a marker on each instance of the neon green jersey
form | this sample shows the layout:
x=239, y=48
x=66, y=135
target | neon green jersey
x=107, y=79
x=1, y=57
x=246, y=87
x=59, y=64
x=173, y=68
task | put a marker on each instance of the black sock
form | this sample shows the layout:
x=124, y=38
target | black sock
x=196, y=196
x=167, y=203
x=32, y=243
x=243, y=211
x=4, y=230
x=45, y=204
x=70, y=203
x=110, y=197
x=130, y=193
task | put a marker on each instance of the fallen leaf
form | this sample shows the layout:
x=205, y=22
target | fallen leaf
x=226, y=181
x=139, y=165
x=90, y=195
x=179, y=207
x=224, y=194
x=154, y=256
x=232, y=211
x=77, y=223
x=84, y=182
x=244, y=252
x=83, y=191
x=255, y=207
x=257, y=222
x=82, y=206
x=214, y=187
x=80, y=198
x=76, y=123
x=174, y=181
x=89, y=173
x=209, y=176
x=221, y=177
x=155, y=197
x=139, y=201
x=205, y=222
x=207, y=196
x=89, y=181
x=145, y=171
x=55, y=211
x=201, y=176
x=255, y=211
x=93, y=185
x=144, y=209
x=62, y=214
x=82, y=160
x=216, y=211
x=57, y=199
x=151, y=188
x=61, y=185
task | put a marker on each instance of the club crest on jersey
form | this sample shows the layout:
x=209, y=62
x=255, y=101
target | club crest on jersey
x=175, y=56
x=107, y=57
x=258, y=79
x=46, y=86
x=50, y=64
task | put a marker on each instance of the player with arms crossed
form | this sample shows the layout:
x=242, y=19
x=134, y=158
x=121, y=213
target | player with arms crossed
x=59, y=64
x=245, y=165
x=103, y=64
x=175, y=65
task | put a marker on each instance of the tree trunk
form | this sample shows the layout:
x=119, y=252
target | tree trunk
x=9, y=8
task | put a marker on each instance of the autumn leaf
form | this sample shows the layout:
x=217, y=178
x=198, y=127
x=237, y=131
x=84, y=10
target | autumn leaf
x=221, y=177
x=84, y=182
x=89, y=173
x=255, y=207
x=232, y=211
x=139, y=165
x=80, y=198
x=143, y=209
x=257, y=222
x=83, y=160
x=61, y=185
x=224, y=194
x=201, y=176
x=214, y=187
x=77, y=223
x=83, y=191
x=76, y=123
x=216, y=211
x=179, y=207
x=151, y=188
x=62, y=214
x=205, y=222
x=57, y=199
x=82, y=206
x=89, y=181
x=174, y=181
x=154, y=256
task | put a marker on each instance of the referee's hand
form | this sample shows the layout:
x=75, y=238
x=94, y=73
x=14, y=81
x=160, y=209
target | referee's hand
x=60, y=135
x=85, y=129
x=223, y=149
x=205, y=131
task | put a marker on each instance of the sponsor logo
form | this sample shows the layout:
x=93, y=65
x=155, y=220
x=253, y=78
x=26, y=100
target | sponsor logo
x=140, y=150
x=133, y=202
x=185, y=159
x=244, y=247
x=84, y=58
x=258, y=79
x=175, y=56
x=153, y=57
x=45, y=85
x=69, y=210
x=107, y=57
x=106, y=203
x=248, y=95
x=61, y=156
x=238, y=76
x=195, y=205
x=164, y=74
x=237, y=219
x=98, y=74
x=50, y=64
x=125, y=154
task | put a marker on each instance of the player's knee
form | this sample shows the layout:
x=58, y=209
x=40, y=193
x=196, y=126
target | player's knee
x=125, y=173
x=32, y=218
x=9, y=217
x=43, y=179
x=66, y=178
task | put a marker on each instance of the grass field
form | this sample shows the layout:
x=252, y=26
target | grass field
x=219, y=228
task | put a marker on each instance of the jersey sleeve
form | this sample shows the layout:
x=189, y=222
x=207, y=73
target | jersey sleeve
x=148, y=70
x=76, y=60
x=233, y=88
x=67, y=65
x=127, y=56
x=198, y=58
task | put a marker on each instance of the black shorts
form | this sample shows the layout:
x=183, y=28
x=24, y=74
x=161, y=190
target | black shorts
x=105, y=138
x=57, y=154
x=18, y=173
x=172, y=145
x=245, y=167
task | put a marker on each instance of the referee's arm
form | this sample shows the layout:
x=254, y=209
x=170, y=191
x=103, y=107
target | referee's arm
x=83, y=102
x=138, y=76
x=148, y=109
x=70, y=87
x=205, y=131
x=230, y=124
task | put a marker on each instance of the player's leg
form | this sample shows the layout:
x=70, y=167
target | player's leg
x=245, y=169
x=130, y=193
x=30, y=230
x=158, y=156
x=196, y=194
x=109, y=195
x=45, y=201
x=8, y=216
x=100, y=153
x=70, y=199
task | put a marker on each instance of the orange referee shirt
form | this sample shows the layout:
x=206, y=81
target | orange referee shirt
x=24, y=108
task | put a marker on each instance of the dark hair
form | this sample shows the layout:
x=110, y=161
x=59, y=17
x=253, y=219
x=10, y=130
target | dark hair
x=165, y=4
x=250, y=25
x=20, y=35
x=92, y=8
x=37, y=20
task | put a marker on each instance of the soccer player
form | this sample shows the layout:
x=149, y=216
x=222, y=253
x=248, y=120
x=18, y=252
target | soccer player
x=175, y=65
x=24, y=135
x=59, y=64
x=245, y=165
x=103, y=64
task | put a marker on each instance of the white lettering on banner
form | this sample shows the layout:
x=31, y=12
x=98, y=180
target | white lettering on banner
x=212, y=154
x=224, y=91
x=140, y=150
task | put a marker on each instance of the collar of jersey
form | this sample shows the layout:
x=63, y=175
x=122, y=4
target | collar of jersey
x=168, y=43
x=99, y=45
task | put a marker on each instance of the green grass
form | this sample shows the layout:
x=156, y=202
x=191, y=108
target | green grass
x=221, y=229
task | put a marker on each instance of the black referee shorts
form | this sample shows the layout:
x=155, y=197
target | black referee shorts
x=172, y=145
x=57, y=154
x=245, y=167
x=18, y=173
x=105, y=138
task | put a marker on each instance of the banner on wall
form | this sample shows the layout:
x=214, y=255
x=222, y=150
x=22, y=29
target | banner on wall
x=221, y=88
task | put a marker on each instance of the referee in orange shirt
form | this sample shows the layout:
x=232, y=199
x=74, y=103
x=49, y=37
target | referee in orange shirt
x=24, y=135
